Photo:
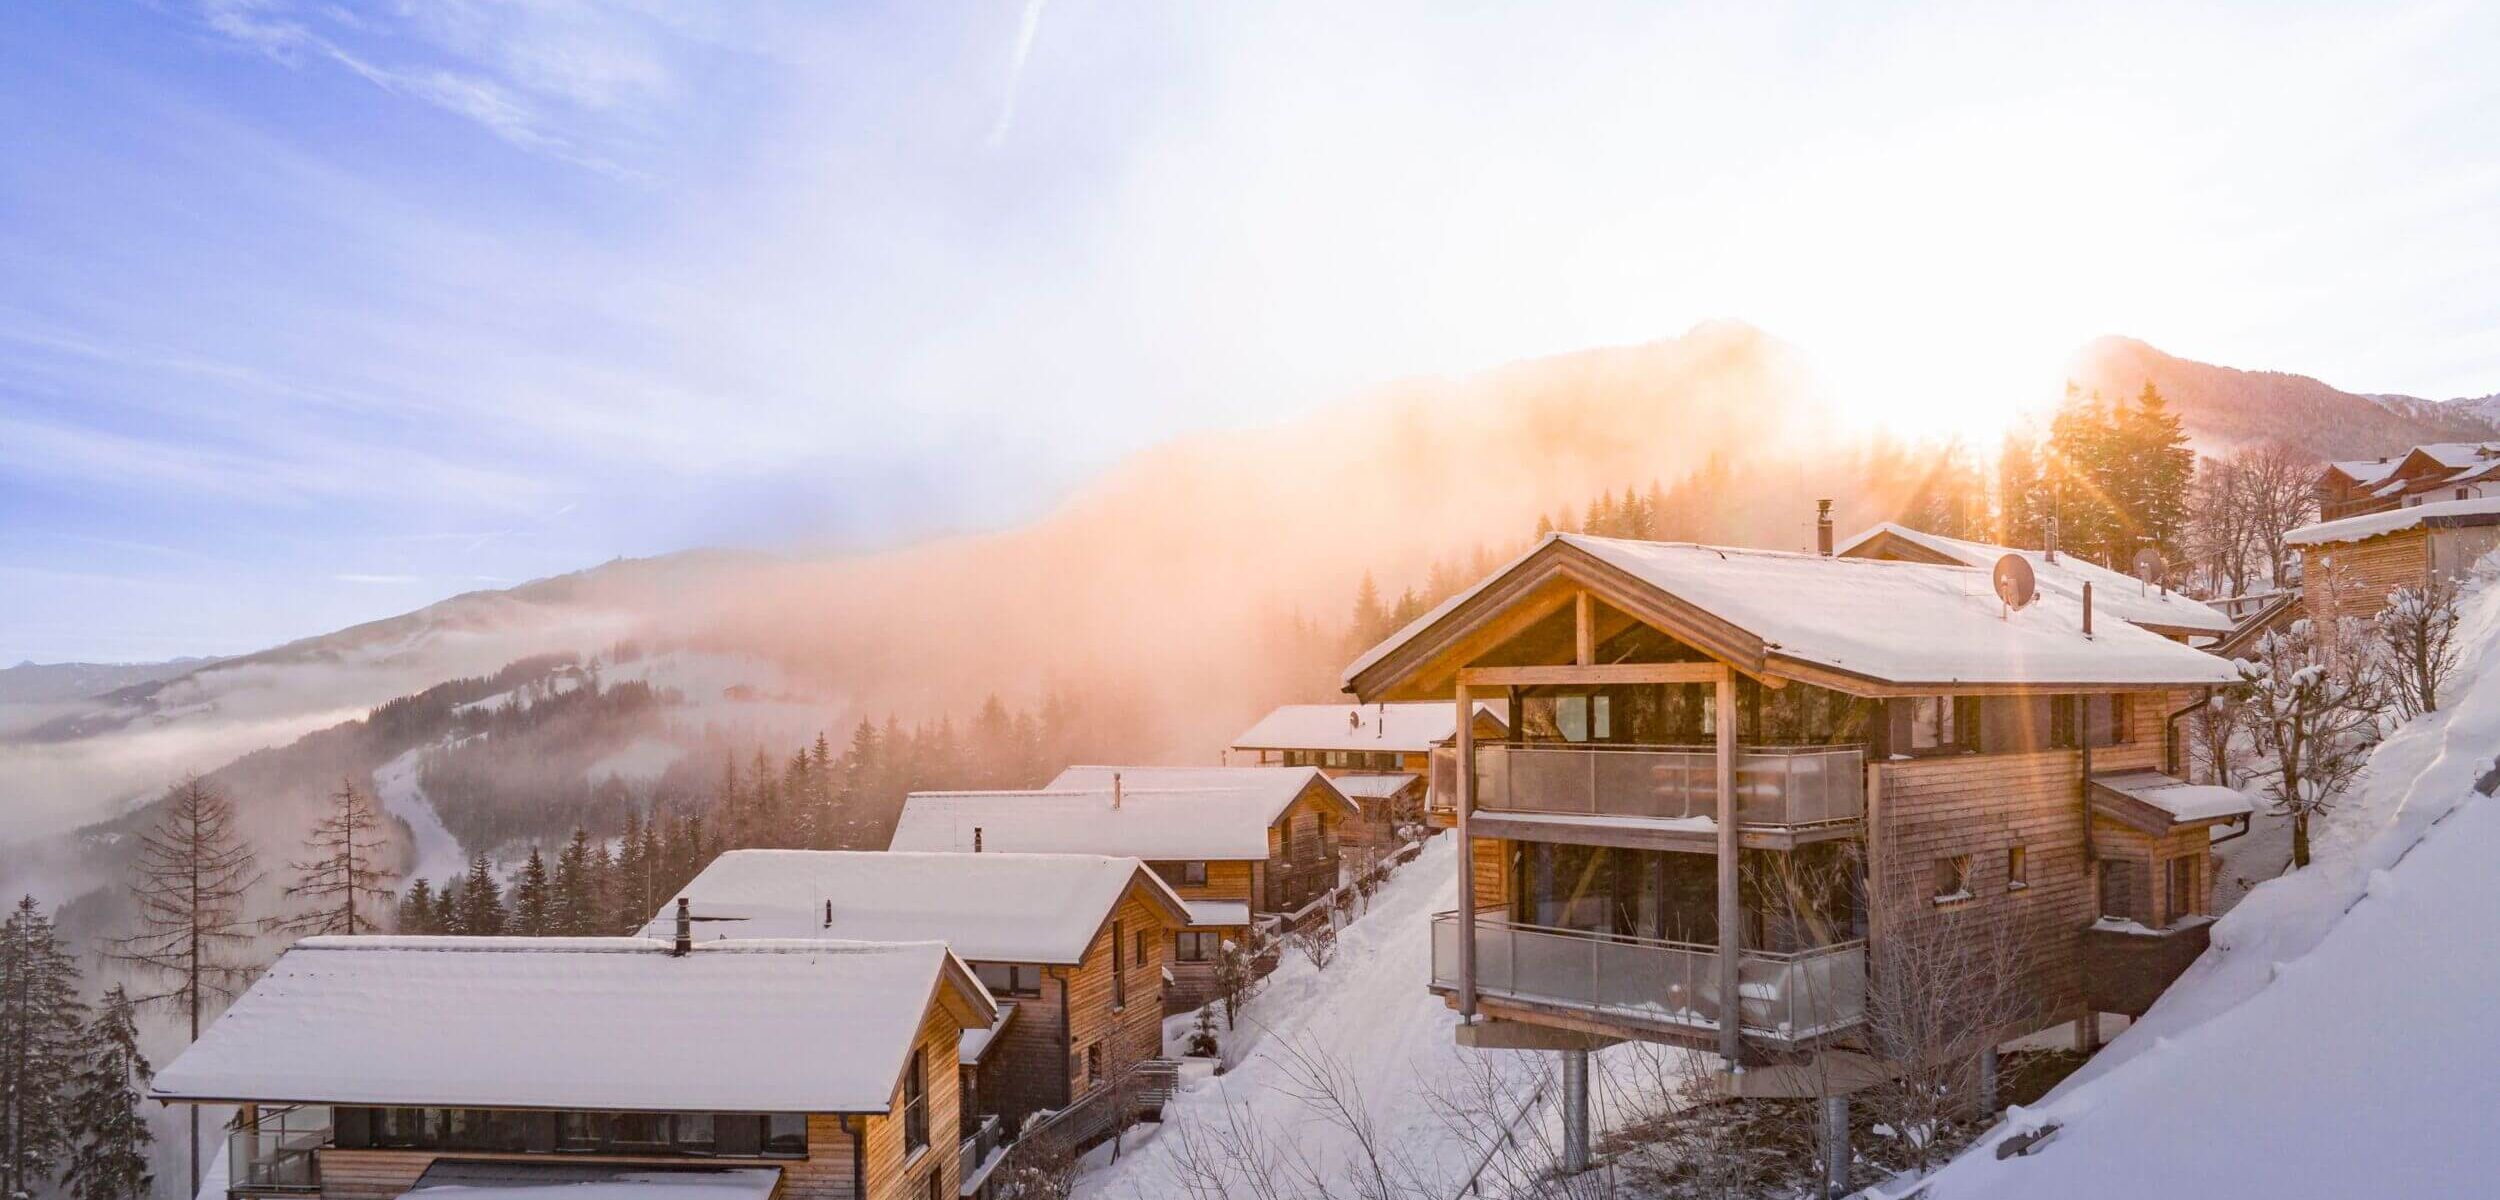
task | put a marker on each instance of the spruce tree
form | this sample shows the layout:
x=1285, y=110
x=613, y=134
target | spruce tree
x=533, y=899
x=416, y=909
x=481, y=900
x=340, y=881
x=448, y=918
x=41, y=1043
x=110, y=1138
x=194, y=869
x=576, y=901
x=1371, y=621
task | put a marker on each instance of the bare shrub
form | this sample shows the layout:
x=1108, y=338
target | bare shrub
x=2417, y=643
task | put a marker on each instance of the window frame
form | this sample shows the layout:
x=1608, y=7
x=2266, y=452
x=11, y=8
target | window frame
x=915, y=1104
x=1206, y=940
x=1956, y=867
x=2017, y=867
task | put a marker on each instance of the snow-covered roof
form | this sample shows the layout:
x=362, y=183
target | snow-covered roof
x=458, y=1179
x=2118, y=594
x=1278, y=786
x=1413, y=727
x=2184, y=803
x=1374, y=787
x=2367, y=471
x=2453, y=455
x=975, y=1044
x=595, y=1023
x=1158, y=823
x=1021, y=908
x=1895, y=623
x=2483, y=510
x=1218, y=913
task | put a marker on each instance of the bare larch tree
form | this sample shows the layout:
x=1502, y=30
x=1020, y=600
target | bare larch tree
x=193, y=871
x=340, y=883
x=2314, y=714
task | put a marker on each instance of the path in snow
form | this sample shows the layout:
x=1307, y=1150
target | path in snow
x=2335, y=1041
x=1371, y=1014
x=438, y=855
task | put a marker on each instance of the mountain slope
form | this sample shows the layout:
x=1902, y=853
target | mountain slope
x=2224, y=407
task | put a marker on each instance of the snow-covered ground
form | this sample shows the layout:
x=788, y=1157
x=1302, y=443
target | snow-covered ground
x=1371, y=1017
x=2336, y=1041
x=438, y=855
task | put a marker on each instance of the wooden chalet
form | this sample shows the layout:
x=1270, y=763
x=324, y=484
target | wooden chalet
x=1072, y=946
x=2350, y=566
x=1239, y=845
x=1392, y=760
x=1692, y=726
x=373, y=1068
x=2425, y=474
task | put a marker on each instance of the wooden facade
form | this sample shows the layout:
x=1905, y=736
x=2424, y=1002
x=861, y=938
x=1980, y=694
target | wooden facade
x=1083, y=1023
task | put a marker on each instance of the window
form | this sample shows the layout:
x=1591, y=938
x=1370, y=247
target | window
x=1010, y=979
x=2179, y=886
x=1119, y=966
x=785, y=1133
x=2108, y=720
x=1145, y=951
x=937, y=1185
x=915, y=1106
x=1093, y=1063
x=503, y=1131
x=1952, y=878
x=1934, y=724
x=2120, y=891
x=694, y=1132
x=1284, y=839
x=2017, y=868
x=1584, y=718
x=1194, y=946
x=1182, y=874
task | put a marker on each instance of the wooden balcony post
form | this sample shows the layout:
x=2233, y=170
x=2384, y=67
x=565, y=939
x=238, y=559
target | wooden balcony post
x=1465, y=801
x=1731, y=1012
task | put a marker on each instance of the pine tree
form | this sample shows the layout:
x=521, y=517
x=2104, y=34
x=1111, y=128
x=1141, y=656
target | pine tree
x=1371, y=621
x=1544, y=526
x=481, y=900
x=447, y=915
x=576, y=900
x=340, y=881
x=416, y=909
x=41, y=1044
x=110, y=1138
x=194, y=869
x=533, y=899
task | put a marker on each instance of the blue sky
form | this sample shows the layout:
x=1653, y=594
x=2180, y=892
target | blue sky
x=313, y=312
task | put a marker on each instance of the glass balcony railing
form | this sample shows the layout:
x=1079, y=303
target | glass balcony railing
x=1783, y=997
x=282, y=1156
x=1777, y=787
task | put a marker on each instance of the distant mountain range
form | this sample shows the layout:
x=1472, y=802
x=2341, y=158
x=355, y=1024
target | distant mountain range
x=2223, y=407
x=40, y=683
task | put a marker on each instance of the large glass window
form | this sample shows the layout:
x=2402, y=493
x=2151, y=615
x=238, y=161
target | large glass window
x=915, y=1105
x=1010, y=979
x=504, y=1131
x=1194, y=946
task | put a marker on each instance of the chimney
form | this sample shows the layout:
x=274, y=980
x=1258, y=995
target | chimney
x=1115, y=791
x=2087, y=608
x=1823, y=528
x=685, y=931
x=828, y=914
x=976, y=839
x=2048, y=537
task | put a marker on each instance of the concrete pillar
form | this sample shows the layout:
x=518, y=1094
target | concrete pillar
x=1835, y=1145
x=1987, y=1083
x=1575, y=1111
x=1731, y=1007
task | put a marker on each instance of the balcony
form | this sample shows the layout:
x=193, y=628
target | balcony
x=1784, y=795
x=279, y=1157
x=1657, y=986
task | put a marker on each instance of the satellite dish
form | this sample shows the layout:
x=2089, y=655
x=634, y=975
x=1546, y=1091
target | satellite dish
x=2015, y=584
x=2148, y=565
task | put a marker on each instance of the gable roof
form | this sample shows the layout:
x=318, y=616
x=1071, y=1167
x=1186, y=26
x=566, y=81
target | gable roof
x=2120, y=595
x=2441, y=514
x=1897, y=625
x=2365, y=472
x=1278, y=787
x=1412, y=728
x=1221, y=822
x=1023, y=908
x=564, y=1023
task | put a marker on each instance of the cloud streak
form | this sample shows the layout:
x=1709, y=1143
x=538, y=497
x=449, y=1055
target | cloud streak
x=1028, y=27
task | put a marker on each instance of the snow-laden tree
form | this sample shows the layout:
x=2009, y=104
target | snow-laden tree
x=2417, y=639
x=340, y=883
x=479, y=909
x=2314, y=714
x=41, y=1022
x=194, y=869
x=109, y=1153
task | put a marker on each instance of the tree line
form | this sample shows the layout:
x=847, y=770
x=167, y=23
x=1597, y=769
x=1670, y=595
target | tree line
x=71, y=1078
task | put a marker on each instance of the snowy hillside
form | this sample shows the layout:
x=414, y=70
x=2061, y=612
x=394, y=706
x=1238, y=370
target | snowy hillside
x=2336, y=1041
x=1369, y=1018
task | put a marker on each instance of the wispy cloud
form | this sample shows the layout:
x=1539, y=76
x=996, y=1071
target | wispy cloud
x=1027, y=28
x=378, y=580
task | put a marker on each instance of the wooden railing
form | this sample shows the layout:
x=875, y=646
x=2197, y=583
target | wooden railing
x=1784, y=997
x=975, y=1150
x=1138, y=1093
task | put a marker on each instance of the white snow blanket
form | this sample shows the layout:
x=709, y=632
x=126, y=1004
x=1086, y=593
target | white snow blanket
x=588, y=1023
x=2337, y=1040
x=1003, y=908
x=1409, y=728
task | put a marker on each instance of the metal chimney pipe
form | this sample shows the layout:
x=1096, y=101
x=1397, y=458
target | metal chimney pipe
x=685, y=931
x=976, y=839
x=1115, y=791
x=2087, y=609
x=1823, y=528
